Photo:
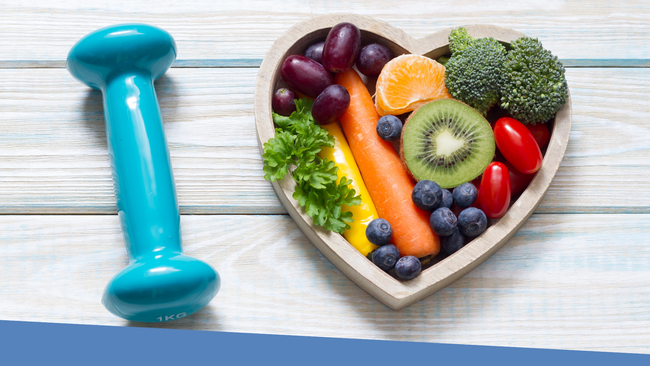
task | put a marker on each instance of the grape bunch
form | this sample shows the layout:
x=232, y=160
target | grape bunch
x=310, y=74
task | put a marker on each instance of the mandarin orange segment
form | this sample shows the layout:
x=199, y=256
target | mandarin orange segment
x=407, y=82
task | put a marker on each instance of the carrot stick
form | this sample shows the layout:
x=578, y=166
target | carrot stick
x=385, y=176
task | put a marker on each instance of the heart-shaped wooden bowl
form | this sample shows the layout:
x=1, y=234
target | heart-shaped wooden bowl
x=394, y=293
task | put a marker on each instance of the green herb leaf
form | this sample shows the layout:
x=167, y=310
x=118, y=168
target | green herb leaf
x=297, y=142
x=278, y=155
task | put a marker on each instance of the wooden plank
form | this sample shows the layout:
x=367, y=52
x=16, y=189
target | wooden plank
x=54, y=158
x=46, y=30
x=572, y=62
x=53, y=155
x=564, y=281
x=607, y=162
x=240, y=63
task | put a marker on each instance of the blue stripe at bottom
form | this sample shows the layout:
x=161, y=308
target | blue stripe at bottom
x=44, y=343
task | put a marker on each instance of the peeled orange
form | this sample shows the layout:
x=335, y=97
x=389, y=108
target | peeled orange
x=407, y=82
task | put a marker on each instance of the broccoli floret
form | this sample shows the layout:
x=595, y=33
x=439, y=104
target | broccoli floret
x=474, y=72
x=534, y=87
x=459, y=40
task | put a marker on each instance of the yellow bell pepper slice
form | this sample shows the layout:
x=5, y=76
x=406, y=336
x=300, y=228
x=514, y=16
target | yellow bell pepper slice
x=341, y=155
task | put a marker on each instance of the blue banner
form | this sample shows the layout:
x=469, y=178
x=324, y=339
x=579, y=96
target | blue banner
x=27, y=343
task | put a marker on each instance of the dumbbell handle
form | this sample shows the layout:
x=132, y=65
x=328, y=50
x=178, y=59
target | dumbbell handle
x=144, y=182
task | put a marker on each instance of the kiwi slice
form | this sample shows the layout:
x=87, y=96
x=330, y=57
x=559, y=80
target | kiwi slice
x=448, y=142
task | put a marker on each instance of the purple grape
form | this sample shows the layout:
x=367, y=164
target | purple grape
x=341, y=47
x=315, y=52
x=283, y=102
x=330, y=105
x=372, y=59
x=305, y=75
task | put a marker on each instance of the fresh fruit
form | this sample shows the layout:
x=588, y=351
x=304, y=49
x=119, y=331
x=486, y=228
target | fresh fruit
x=443, y=221
x=452, y=243
x=541, y=134
x=447, y=199
x=427, y=195
x=408, y=82
x=518, y=180
x=465, y=195
x=379, y=232
x=495, y=190
x=447, y=142
x=315, y=52
x=389, y=128
x=364, y=213
x=330, y=105
x=372, y=59
x=408, y=267
x=305, y=75
x=385, y=176
x=385, y=257
x=472, y=222
x=534, y=87
x=443, y=144
x=341, y=47
x=517, y=145
x=283, y=102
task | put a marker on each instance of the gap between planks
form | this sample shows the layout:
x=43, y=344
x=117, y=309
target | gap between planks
x=562, y=276
x=255, y=63
x=54, y=155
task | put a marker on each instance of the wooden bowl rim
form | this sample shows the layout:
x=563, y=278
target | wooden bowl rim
x=394, y=293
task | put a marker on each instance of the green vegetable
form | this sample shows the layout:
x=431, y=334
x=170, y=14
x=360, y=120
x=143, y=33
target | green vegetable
x=474, y=72
x=534, y=87
x=443, y=60
x=294, y=150
x=459, y=40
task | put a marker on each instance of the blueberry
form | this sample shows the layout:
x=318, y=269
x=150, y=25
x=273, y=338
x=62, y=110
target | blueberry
x=408, y=267
x=447, y=199
x=427, y=195
x=465, y=194
x=385, y=257
x=443, y=221
x=389, y=128
x=472, y=222
x=379, y=232
x=450, y=244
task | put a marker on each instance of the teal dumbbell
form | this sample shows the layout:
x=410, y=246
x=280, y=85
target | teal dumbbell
x=160, y=283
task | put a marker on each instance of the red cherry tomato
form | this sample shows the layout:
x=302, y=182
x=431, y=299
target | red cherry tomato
x=517, y=145
x=518, y=180
x=495, y=190
x=541, y=134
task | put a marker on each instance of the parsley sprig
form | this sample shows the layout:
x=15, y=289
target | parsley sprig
x=294, y=150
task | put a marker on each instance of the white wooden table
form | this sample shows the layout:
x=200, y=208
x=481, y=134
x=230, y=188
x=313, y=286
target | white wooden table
x=577, y=276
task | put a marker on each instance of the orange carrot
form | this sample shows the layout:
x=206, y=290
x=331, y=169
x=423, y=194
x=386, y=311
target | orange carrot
x=385, y=176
